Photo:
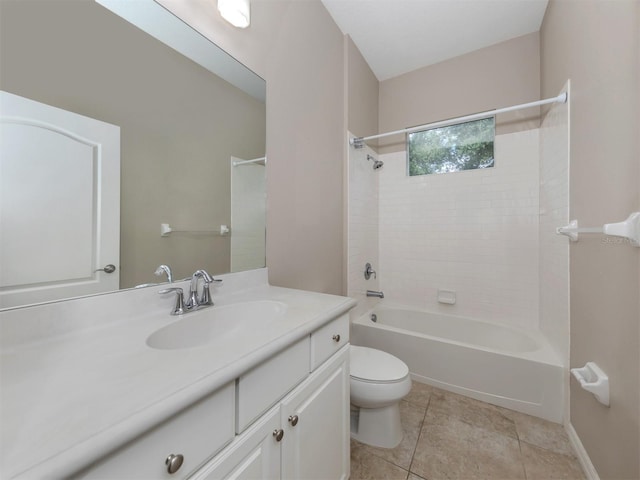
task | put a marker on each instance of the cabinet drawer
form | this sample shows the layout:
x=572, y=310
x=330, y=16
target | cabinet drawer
x=196, y=433
x=328, y=340
x=263, y=386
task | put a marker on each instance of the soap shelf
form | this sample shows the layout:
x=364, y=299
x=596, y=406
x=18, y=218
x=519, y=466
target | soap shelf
x=594, y=380
x=629, y=229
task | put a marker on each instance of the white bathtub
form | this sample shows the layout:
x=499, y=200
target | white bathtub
x=493, y=363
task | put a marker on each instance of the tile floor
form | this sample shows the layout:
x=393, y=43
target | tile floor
x=448, y=436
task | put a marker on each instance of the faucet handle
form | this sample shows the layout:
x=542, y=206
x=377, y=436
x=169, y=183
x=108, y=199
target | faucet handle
x=178, y=309
x=368, y=271
x=205, y=298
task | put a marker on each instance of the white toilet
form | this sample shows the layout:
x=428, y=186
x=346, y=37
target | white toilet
x=378, y=382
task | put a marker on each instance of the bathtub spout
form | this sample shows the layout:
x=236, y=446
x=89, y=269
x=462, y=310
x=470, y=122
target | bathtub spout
x=374, y=293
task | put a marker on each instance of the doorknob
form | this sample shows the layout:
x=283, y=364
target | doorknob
x=110, y=268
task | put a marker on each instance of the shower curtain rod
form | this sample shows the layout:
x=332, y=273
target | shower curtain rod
x=358, y=142
x=244, y=162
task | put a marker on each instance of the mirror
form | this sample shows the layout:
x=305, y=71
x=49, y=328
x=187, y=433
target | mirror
x=181, y=127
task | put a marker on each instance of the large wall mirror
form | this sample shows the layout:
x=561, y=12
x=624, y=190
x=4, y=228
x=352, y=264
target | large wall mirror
x=182, y=132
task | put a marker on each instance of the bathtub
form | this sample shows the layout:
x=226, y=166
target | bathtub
x=504, y=366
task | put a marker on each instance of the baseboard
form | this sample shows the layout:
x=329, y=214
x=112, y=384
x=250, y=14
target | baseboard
x=583, y=457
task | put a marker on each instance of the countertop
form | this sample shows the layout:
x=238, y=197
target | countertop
x=68, y=399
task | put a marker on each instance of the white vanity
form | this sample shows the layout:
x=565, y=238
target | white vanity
x=85, y=396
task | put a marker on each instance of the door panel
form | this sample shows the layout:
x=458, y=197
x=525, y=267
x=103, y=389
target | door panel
x=59, y=203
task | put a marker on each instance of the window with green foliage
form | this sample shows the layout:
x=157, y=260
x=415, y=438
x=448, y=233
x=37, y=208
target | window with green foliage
x=464, y=146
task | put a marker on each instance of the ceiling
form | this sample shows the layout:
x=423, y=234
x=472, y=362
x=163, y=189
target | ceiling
x=398, y=36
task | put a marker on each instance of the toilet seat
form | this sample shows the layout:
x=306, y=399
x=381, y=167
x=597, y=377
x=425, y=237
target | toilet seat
x=375, y=366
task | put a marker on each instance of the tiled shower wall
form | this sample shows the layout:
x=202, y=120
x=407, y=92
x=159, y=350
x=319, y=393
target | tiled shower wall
x=489, y=235
x=473, y=232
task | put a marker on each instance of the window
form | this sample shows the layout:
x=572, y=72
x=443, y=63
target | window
x=464, y=146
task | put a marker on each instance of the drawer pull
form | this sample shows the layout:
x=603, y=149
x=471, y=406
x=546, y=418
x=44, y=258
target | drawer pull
x=174, y=462
x=278, y=433
x=336, y=337
x=293, y=420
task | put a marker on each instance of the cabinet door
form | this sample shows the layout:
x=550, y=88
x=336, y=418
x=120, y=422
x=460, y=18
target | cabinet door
x=253, y=455
x=315, y=419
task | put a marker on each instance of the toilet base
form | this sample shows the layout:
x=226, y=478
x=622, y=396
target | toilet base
x=379, y=427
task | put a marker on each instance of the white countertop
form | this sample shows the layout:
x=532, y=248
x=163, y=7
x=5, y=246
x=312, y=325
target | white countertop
x=68, y=399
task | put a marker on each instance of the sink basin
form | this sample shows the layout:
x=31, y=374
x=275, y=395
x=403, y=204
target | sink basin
x=215, y=323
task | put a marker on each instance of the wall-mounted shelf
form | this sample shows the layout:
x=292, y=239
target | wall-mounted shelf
x=629, y=229
x=594, y=380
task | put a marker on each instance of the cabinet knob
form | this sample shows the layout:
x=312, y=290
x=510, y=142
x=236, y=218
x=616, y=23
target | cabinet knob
x=336, y=337
x=174, y=462
x=278, y=433
x=293, y=420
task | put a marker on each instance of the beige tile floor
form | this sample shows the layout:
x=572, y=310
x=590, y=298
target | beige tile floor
x=448, y=436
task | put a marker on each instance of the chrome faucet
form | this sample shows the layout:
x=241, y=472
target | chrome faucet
x=374, y=293
x=164, y=269
x=193, y=302
x=205, y=298
x=179, y=307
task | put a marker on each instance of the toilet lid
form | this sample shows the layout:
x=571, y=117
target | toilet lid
x=373, y=365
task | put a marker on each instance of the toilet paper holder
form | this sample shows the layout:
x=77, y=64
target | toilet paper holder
x=594, y=380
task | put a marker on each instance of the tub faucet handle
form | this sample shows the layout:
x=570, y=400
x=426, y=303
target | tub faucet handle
x=368, y=271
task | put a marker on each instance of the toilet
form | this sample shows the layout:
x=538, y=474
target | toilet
x=378, y=382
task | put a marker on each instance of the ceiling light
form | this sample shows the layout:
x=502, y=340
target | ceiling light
x=236, y=12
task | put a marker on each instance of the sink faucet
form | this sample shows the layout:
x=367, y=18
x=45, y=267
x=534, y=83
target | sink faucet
x=164, y=269
x=205, y=299
x=193, y=302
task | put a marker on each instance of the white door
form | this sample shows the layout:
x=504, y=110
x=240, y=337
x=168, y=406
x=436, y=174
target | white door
x=59, y=203
x=316, y=425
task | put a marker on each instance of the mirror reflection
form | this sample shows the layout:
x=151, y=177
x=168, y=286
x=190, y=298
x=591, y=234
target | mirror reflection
x=182, y=130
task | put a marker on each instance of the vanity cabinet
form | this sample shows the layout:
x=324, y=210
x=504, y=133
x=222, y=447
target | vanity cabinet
x=305, y=436
x=287, y=417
